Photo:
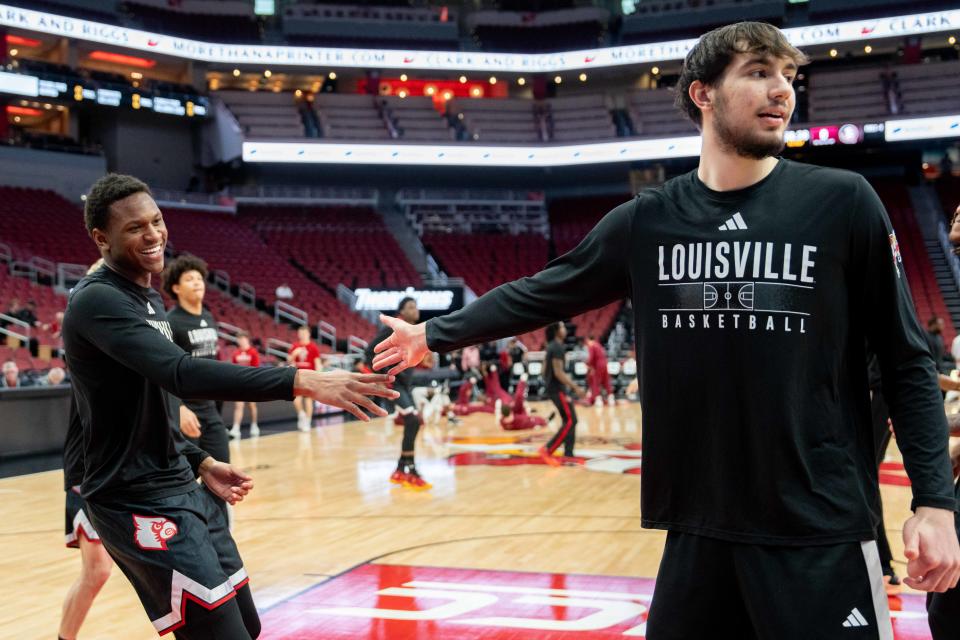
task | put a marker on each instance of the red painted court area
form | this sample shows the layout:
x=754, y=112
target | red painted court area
x=398, y=602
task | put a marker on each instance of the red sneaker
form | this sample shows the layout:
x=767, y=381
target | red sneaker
x=398, y=477
x=415, y=482
x=547, y=457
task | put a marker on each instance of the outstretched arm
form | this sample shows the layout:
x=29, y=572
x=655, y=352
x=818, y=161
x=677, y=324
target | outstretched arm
x=595, y=273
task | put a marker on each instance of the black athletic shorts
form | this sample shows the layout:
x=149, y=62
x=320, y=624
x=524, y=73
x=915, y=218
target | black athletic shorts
x=707, y=587
x=172, y=550
x=78, y=522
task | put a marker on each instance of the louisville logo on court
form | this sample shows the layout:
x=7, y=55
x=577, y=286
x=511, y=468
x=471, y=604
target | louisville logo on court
x=152, y=533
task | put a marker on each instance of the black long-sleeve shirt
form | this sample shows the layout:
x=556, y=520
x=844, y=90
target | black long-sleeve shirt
x=197, y=335
x=126, y=370
x=753, y=309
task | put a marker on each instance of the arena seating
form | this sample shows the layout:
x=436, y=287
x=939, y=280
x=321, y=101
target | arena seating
x=45, y=224
x=228, y=244
x=578, y=118
x=653, y=115
x=337, y=245
x=916, y=262
x=498, y=119
x=415, y=118
x=928, y=88
x=848, y=94
x=231, y=21
x=350, y=116
x=264, y=114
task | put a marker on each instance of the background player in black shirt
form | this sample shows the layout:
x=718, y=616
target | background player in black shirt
x=164, y=531
x=406, y=473
x=759, y=281
x=195, y=331
x=556, y=382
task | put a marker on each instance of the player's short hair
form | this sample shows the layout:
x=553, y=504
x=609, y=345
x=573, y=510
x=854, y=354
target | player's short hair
x=303, y=327
x=179, y=266
x=104, y=192
x=243, y=334
x=552, y=331
x=709, y=58
x=505, y=410
x=403, y=302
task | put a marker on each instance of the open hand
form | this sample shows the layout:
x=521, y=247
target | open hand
x=345, y=390
x=405, y=347
x=225, y=480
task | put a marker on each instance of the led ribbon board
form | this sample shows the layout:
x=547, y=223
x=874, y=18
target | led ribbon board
x=471, y=155
x=853, y=31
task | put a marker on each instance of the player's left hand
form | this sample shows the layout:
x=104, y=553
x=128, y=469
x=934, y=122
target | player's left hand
x=932, y=550
x=225, y=480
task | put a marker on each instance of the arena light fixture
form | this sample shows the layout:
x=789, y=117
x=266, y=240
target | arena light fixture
x=521, y=81
x=463, y=79
x=493, y=79
x=833, y=53
x=403, y=77
x=236, y=73
x=583, y=77
x=332, y=75
x=952, y=40
x=267, y=73
x=125, y=60
x=14, y=52
x=868, y=49
x=655, y=71
x=29, y=43
x=558, y=79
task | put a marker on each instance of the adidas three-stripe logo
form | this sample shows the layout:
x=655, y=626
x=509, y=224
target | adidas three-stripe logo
x=855, y=619
x=734, y=223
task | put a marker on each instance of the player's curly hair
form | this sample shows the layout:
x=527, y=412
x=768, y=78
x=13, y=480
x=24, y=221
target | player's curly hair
x=179, y=266
x=708, y=60
x=104, y=192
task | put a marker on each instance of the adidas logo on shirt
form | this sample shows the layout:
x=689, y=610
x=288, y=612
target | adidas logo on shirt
x=855, y=619
x=150, y=309
x=733, y=224
x=203, y=323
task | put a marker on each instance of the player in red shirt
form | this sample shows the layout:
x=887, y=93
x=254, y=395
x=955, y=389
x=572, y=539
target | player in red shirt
x=463, y=406
x=516, y=418
x=248, y=356
x=598, y=377
x=304, y=355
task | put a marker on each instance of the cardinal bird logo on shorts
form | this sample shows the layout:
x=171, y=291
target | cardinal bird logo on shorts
x=152, y=533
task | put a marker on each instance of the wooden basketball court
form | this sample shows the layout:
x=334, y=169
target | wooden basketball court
x=502, y=547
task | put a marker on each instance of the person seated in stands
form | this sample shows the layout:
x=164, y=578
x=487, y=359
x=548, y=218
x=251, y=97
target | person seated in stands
x=11, y=376
x=284, y=292
x=516, y=417
x=13, y=311
x=54, y=377
x=28, y=314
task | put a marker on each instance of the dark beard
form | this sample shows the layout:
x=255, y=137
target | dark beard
x=744, y=146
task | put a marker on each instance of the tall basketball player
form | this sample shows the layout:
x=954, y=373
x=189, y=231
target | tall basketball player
x=757, y=281
x=164, y=531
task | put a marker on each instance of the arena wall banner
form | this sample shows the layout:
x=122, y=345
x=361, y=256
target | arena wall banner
x=852, y=31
